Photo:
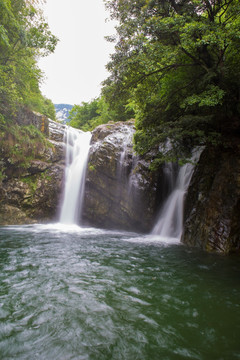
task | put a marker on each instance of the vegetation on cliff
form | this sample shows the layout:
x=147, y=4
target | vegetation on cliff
x=32, y=168
x=24, y=36
x=19, y=146
x=176, y=65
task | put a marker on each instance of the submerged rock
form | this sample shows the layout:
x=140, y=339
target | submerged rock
x=212, y=211
x=120, y=192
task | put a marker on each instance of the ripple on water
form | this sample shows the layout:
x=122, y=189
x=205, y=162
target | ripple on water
x=83, y=293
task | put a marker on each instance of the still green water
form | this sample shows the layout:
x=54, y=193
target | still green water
x=91, y=294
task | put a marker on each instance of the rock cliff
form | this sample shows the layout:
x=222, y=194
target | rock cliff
x=212, y=211
x=120, y=191
x=33, y=168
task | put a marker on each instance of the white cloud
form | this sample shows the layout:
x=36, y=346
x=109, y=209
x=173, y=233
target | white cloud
x=76, y=69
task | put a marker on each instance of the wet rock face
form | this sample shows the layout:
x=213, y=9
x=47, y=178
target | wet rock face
x=212, y=211
x=56, y=131
x=31, y=193
x=120, y=192
x=32, y=198
x=25, y=116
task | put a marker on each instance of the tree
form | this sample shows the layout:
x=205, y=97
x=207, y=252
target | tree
x=24, y=36
x=82, y=115
x=88, y=115
x=176, y=63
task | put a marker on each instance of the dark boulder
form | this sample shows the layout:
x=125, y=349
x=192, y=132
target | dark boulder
x=212, y=210
x=120, y=191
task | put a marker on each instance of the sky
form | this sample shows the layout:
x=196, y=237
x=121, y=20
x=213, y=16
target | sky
x=74, y=72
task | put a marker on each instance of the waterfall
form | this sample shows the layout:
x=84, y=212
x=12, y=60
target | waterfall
x=77, y=149
x=170, y=220
x=126, y=140
x=171, y=215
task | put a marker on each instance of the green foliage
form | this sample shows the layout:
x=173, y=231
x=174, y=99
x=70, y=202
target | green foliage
x=210, y=97
x=82, y=116
x=89, y=115
x=24, y=36
x=176, y=65
x=91, y=167
x=21, y=144
x=48, y=108
x=2, y=175
x=32, y=182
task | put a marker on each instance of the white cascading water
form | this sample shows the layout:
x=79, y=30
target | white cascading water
x=77, y=149
x=170, y=221
x=126, y=139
